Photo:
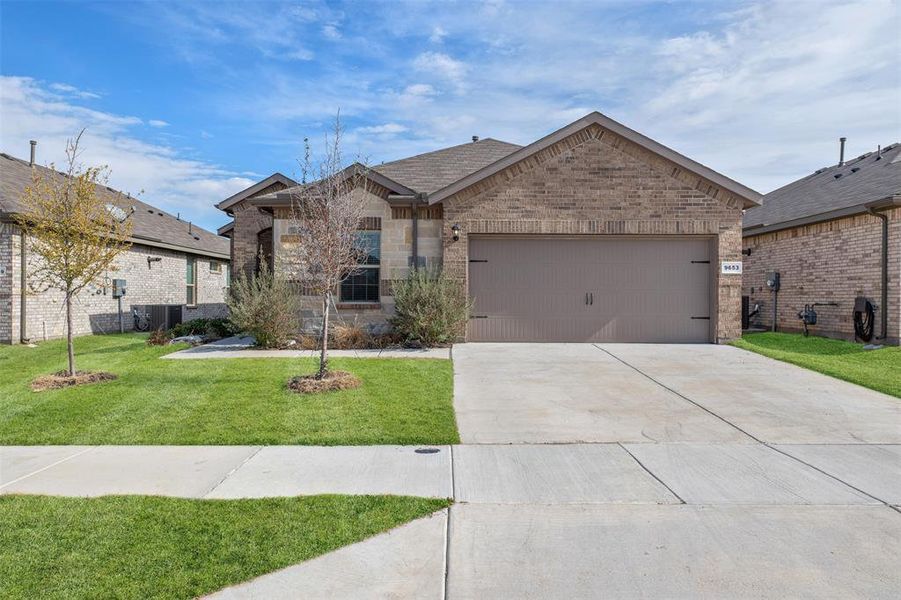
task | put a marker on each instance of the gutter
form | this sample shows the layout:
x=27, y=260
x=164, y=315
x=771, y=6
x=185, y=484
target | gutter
x=850, y=211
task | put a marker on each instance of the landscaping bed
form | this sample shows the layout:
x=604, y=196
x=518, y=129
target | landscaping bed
x=154, y=547
x=219, y=401
x=876, y=369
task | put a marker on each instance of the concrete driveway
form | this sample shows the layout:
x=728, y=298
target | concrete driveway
x=657, y=471
x=570, y=393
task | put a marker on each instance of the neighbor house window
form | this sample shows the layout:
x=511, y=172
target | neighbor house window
x=215, y=266
x=363, y=284
x=191, y=281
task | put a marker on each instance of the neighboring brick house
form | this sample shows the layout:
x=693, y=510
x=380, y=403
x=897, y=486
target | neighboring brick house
x=592, y=233
x=170, y=263
x=824, y=235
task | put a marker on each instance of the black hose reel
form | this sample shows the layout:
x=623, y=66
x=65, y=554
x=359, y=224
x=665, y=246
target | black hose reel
x=864, y=318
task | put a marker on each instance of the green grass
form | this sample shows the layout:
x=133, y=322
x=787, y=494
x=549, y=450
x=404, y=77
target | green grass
x=218, y=401
x=153, y=547
x=876, y=369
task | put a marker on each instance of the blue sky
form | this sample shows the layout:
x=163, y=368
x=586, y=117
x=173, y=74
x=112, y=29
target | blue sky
x=192, y=101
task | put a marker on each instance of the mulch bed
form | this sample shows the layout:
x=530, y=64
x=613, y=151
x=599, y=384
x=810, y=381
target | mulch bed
x=61, y=379
x=334, y=380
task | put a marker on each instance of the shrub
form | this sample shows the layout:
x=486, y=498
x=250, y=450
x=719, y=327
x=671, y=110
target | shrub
x=212, y=327
x=350, y=336
x=158, y=337
x=431, y=308
x=264, y=306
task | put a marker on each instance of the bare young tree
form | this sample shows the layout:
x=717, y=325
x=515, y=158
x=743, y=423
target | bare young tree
x=326, y=214
x=74, y=236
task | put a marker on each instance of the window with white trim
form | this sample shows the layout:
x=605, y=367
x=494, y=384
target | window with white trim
x=191, y=281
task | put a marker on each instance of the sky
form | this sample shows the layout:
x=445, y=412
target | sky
x=189, y=102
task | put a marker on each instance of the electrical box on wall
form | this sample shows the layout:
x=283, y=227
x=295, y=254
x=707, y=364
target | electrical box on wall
x=118, y=288
x=772, y=280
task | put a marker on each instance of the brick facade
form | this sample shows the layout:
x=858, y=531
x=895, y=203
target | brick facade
x=832, y=261
x=95, y=310
x=597, y=183
x=246, y=236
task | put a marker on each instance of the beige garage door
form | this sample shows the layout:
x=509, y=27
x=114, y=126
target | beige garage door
x=590, y=289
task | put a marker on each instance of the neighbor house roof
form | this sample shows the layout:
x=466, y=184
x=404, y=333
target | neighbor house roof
x=831, y=192
x=750, y=197
x=151, y=226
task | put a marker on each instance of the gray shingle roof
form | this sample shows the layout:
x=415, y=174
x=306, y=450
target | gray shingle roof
x=860, y=180
x=434, y=170
x=152, y=226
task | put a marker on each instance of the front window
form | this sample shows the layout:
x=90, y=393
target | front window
x=191, y=281
x=363, y=284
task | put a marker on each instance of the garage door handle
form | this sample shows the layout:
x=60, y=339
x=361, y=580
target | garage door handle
x=592, y=298
x=702, y=318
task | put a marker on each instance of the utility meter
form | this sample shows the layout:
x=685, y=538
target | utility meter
x=118, y=288
x=772, y=280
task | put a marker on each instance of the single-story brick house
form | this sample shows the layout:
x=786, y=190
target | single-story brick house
x=173, y=270
x=592, y=233
x=833, y=236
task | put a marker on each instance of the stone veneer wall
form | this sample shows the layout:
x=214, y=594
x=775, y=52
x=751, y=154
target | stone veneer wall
x=95, y=310
x=598, y=183
x=396, y=251
x=833, y=261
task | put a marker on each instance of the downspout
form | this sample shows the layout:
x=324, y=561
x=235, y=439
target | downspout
x=883, y=301
x=23, y=282
x=414, y=208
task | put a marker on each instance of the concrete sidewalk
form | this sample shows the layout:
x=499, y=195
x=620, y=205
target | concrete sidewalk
x=242, y=347
x=548, y=520
x=678, y=473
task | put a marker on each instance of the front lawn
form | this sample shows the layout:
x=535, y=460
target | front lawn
x=218, y=401
x=153, y=547
x=876, y=369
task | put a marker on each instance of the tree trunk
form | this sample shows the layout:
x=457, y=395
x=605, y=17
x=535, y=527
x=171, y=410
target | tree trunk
x=70, y=345
x=323, y=352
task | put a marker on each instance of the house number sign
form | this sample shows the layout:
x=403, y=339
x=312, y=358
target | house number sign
x=731, y=267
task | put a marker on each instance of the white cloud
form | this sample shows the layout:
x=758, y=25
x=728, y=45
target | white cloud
x=442, y=66
x=71, y=90
x=438, y=34
x=29, y=110
x=387, y=128
x=157, y=123
x=330, y=31
x=419, y=90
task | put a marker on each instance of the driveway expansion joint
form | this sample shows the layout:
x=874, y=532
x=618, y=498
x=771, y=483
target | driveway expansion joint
x=651, y=473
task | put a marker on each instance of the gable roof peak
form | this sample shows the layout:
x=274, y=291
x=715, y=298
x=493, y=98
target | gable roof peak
x=749, y=196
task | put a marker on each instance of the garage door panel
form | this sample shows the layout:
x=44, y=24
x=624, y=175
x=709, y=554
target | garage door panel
x=643, y=289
